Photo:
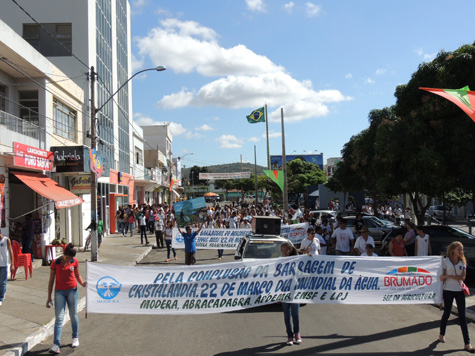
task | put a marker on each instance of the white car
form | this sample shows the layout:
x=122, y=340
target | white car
x=319, y=214
x=254, y=246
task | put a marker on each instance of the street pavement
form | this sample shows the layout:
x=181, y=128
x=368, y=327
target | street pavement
x=25, y=321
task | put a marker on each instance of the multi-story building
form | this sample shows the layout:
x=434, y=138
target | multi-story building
x=39, y=108
x=75, y=36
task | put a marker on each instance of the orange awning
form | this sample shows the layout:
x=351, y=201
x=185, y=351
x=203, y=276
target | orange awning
x=49, y=189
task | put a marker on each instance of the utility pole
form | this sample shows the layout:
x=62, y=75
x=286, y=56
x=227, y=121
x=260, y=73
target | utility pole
x=94, y=242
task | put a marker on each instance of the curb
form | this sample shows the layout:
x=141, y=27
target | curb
x=48, y=329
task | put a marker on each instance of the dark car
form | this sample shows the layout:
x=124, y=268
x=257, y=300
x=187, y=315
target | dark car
x=440, y=237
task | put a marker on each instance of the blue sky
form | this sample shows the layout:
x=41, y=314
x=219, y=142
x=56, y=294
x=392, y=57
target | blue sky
x=326, y=63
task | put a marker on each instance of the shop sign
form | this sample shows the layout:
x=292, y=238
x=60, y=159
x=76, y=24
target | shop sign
x=71, y=159
x=80, y=184
x=32, y=157
x=97, y=165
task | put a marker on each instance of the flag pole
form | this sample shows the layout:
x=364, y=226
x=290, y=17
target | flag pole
x=255, y=172
x=284, y=163
x=267, y=135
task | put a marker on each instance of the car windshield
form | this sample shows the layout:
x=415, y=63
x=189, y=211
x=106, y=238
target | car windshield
x=460, y=233
x=263, y=249
x=378, y=222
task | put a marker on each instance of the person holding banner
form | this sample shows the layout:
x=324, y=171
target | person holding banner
x=189, y=238
x=454, y=273
x=310, y=245
x=65, y=272
x=291, y=310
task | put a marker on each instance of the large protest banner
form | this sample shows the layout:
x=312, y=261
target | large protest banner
x=228, y=239
x=216, y=288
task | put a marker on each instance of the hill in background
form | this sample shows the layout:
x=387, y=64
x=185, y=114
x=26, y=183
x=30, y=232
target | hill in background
x=230, y=168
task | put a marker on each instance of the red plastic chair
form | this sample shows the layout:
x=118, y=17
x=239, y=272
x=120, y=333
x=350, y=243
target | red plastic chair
x=21, y=259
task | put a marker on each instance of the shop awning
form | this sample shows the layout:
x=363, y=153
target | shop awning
x=49, y=189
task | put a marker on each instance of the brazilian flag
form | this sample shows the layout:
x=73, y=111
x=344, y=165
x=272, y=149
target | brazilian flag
x=256, y=116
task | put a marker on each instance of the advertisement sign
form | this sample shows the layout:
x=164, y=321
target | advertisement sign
x=80, y=184
x=71, y=159
x=32, y=157
x=97, y=165
x=218, y=288
x=276, y=161
x=219, y=176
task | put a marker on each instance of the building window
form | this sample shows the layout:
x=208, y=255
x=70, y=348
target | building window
x=138, y=156
x=29, y=106
x=64, y=121
x=3, y=95
x=58, y=43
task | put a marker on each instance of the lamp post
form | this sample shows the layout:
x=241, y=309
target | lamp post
x=94, y=111
x=179, y=160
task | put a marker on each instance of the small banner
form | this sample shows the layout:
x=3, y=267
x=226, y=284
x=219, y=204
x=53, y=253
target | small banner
x=276, y=176
x=218, y=288
x=220, y=176
x=228, y=239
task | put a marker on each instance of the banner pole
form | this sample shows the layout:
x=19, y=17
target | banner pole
x=267, y=135
x=86, y=289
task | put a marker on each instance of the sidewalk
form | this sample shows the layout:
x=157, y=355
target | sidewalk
x=24, y=319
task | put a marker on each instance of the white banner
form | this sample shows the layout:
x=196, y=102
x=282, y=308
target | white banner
x=228, y=239
x=218, y=176
x=218, y=288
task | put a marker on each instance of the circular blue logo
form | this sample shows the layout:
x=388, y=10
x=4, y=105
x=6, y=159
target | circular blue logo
x=179, y=238
x=108, y=288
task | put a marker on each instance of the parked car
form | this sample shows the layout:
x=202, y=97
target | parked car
x=377, y=228
x=255, y=246
x=440, y=237
x=319, y=214
x=437, y=211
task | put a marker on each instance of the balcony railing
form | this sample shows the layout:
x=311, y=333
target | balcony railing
x=14, y=123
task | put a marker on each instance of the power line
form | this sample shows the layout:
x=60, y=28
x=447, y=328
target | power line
x=53, y=37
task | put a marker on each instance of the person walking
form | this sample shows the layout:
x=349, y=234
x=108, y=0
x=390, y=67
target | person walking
x=64, y=272
x=189, y=238
x=454, y=273
x=143, y=228
x=168, y=240
x=6, y=258
x=131, y=222
x=291, y=310
x=159, y=231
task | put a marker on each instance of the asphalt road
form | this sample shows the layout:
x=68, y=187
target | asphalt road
x=325, y=329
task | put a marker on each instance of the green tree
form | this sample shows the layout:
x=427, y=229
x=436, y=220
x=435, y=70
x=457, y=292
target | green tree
x=301, y=174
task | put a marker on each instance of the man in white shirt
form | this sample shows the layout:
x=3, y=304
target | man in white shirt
x=344, y=239
x=310, y=245
x=363, y=240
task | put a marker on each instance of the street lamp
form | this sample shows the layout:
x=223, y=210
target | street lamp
x=179, y=160
x=94, y=111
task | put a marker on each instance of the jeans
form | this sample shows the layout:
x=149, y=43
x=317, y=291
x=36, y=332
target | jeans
x=3, y=282
x=169, y=247
x=159, y=238
x=126, y=227
x=120, y=227
x=291, y=310
x=220, y=252
x=131, y=228
x=459, y=297
x=61, y=298
x=143, y=231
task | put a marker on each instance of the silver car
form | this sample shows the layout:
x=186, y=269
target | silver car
x=259, y=246
x=377, y=228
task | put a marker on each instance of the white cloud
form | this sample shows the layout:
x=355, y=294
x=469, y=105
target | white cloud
x=426, y=56
x=244, y=79
x=349, y=76
x=312, y=9
x=137, y=64
x=381, y=71
x=229, y=141
x=186, y=46
x=274, y=134
x=289, y=7
x=254, y=139
x=192, y=135
x=369, y=81
x=175, y=128
x=204, y=128
x=256, y=5
x=145, y=121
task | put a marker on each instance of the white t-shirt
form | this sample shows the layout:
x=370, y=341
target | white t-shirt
x=322, y=241
x=373, y=255
x=314, y=246
x=343, y=238
x=4, y=253
x=232, y=223
x=327, y=228
x=361, y=243
x=422, y=245
x=449, y=268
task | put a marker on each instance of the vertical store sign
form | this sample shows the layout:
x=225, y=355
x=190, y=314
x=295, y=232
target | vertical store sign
x=2, y=201
x=97, y=165
x=32, y=157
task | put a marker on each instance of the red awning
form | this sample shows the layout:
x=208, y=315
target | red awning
x=49, y=189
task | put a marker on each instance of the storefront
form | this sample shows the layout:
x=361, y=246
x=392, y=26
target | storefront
x=26, y=190
x=122, y=193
